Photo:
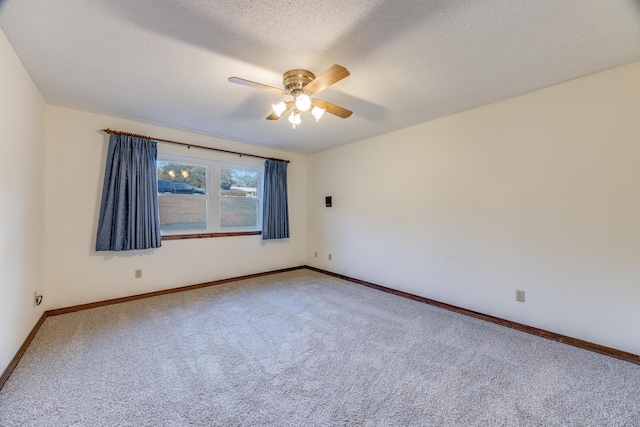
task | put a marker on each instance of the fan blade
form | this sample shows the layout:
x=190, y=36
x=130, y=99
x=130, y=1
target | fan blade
x=334, y=109
x=255, y=85
x=274, y=116
x=326, y=79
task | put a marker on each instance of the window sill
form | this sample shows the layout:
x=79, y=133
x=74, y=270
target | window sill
x=209, y=235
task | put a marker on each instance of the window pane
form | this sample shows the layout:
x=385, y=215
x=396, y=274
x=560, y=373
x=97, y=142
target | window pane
x=238, y=211
x=181, y=178
x=235, y=182
x=182, y=213
x=238, y=202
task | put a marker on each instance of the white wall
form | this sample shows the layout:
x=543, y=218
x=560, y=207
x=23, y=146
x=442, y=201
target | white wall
x=21, y=202
x=76, y=274
x=539, y=193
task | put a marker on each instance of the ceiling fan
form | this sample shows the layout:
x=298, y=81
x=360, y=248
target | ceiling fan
x=301, y=84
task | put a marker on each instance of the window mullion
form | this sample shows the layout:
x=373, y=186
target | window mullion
x=213, y=201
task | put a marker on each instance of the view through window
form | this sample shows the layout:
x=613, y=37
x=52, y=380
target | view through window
x=189, y=210
x=200, y=195
x=238, y=198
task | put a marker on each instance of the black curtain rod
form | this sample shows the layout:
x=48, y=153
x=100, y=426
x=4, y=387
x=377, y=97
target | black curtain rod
x=117, y=132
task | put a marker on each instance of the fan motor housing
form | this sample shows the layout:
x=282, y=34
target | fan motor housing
x=296, y=80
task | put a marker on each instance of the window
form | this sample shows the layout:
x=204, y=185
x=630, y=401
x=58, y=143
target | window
x=238, y=201
x=200, y=196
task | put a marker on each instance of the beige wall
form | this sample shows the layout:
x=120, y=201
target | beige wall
x=76, y=274
x=22, y=112
x=539, y=193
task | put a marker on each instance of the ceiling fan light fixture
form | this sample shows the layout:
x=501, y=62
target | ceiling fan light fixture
x=303, y=102
x=279, y=108
x=301, y=85
x=294, y=118
x=317, y=112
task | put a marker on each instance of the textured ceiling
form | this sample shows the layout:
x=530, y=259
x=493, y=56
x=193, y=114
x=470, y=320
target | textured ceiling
x=168, y=61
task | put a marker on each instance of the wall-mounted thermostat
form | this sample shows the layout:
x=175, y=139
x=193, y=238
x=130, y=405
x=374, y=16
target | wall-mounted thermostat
x=327, y=201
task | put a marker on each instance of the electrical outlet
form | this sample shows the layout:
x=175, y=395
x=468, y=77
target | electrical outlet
x=37, y=299
x=316, y=254
x=519, y=296
x=139, y=274
x=329, y=257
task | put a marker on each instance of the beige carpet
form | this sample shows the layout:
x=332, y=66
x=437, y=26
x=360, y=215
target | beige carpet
x=305, y=349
